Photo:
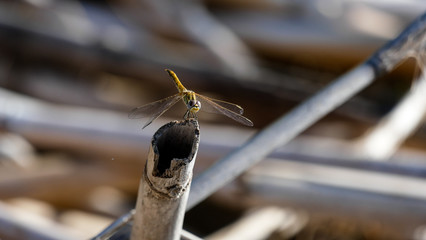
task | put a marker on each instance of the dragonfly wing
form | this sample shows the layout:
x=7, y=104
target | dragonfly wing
x=220, y=109
x=153, y=110
x=231, y=106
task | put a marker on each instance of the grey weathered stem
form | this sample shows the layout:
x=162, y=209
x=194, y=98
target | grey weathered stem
x=279, y=133
x=115, y=226
x=383, y=140
x=261, y=223
x=293, y=123
x=164, y=186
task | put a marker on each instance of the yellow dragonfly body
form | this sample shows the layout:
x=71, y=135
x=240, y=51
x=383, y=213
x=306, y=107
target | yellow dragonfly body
x=192, y=102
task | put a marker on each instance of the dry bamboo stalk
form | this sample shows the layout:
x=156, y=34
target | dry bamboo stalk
x=261, y=223
x=121, y=224
x=164, y=186
x=231, y=51
x=420, y=233
x=383, y=141
x=188, y=236
x=16, y=223
x=293, y=123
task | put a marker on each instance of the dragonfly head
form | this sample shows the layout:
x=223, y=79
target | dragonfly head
x=194, y=105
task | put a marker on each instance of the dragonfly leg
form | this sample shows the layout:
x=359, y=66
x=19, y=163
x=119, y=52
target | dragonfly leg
x=189, y=114
x=186, y=115
x=192, y=115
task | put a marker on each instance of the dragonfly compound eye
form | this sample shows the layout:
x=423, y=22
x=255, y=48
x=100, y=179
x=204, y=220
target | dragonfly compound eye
x=191, y=103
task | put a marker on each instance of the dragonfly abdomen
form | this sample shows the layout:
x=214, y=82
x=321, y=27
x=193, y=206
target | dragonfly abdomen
x=178, y=84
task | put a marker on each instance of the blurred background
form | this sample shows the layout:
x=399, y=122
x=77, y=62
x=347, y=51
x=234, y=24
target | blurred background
x=70, y=71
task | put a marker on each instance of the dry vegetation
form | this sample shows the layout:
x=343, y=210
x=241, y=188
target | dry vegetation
x=71, y=160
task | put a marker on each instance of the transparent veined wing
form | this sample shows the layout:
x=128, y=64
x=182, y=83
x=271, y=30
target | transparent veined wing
x=153, y=110
x=230, y=106
x=207, y=102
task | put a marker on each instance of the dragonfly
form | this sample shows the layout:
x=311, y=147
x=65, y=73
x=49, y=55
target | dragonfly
x=192, y=101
